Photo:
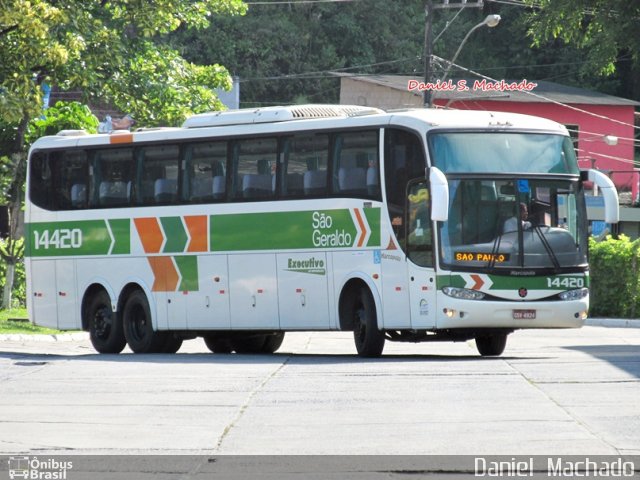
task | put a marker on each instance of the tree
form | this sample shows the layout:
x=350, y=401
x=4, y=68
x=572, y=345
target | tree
x=607, y=30
x=108, y=49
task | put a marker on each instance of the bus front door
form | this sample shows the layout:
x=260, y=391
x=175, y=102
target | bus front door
x=419, y=246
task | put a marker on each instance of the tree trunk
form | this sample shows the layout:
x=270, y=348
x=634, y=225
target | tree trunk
x=8, y=286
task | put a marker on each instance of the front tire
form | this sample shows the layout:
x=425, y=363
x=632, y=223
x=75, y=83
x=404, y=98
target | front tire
x=368, y=338
x=138, y=330
x=172, y=344
x=491, y=345
x=105, y=328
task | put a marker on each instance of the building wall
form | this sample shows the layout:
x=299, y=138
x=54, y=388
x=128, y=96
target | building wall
x=356, y=92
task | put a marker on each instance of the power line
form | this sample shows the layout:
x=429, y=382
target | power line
x=600, y=135
x=612, y=157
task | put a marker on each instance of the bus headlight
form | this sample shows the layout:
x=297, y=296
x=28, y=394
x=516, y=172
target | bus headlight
x=463, y=293
x=574, y=294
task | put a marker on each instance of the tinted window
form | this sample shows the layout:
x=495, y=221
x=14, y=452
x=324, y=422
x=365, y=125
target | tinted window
x=158, y=171
x=305, y=165
x=355, y=167
x=112, y=177
x=204, y=172
x=254, y=168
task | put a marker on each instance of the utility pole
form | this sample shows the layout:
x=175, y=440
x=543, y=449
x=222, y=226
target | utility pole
x=428, y=37
x=428, y=50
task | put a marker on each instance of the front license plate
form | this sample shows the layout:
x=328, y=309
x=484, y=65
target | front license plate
x=524, y=314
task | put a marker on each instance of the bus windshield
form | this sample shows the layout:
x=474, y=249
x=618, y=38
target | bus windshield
x=497, y=152
x=514, y=223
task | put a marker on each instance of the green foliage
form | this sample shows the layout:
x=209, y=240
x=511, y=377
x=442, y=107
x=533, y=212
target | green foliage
x=161, y=88
x=286, y=52
x=19, y=295
x=62, y=116
x=103, y=49
x=14, y=321
x=606, y=31
x=615, y=283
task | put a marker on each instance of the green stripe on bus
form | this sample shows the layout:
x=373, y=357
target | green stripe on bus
x=53, y=239
x=175, y=233
x=188, y=268
x=503, y=282
x=121, y=230
x=373, y=218
x=290, y=230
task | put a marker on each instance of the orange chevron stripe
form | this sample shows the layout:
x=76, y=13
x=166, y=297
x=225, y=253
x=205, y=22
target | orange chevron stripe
x=150, y=234
x=478, y=282
x=165, y=275
x=197, y=226
x=363, y=229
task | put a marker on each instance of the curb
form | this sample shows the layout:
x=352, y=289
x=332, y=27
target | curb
x=613, y=322
x=62, y=337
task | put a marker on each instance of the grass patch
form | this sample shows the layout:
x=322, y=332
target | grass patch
x=16, y=320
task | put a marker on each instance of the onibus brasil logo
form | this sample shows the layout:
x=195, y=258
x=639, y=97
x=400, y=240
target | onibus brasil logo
x=36, y=469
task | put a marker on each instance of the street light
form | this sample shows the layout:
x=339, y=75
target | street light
x=490, y=21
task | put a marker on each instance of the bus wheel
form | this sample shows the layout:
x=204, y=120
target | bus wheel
x=369, y=340
x=491, y=345
x=138, y=330
x=172, y=344
x=105, y=329
x=251, y=343
x=273, y=342
x=217, y=343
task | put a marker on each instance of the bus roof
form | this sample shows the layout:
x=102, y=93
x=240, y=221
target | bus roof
x=273, y=120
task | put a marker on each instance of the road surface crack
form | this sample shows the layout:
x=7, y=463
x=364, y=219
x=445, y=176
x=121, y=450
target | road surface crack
x=243, y=408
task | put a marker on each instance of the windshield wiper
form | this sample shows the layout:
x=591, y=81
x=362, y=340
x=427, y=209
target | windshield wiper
x=547, y=247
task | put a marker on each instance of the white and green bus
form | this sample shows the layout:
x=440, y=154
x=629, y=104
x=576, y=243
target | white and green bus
x=410, y=226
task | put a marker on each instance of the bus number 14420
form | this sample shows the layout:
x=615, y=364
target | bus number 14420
x=566, y=282
x=59, y=239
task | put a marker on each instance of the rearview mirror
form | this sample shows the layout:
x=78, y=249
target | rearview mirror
x=439, y=195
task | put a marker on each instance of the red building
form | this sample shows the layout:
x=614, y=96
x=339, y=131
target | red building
x=602, y=125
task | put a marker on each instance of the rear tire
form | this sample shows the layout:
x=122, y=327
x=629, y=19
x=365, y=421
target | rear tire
x=491, y=345
x=138, y=330
x=105, y=328
x=249, y=343
x=172, y=344
x=368, y=339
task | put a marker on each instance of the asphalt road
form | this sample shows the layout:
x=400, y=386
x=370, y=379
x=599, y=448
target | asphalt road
x=552, y=392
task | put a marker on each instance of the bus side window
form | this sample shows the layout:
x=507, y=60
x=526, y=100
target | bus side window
x=355, y=164
x=70, y=172
x=204, y=172
x=157, y=175
x=40, y=188
x=112, y=177
x=305, y=165
x=253, y=163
